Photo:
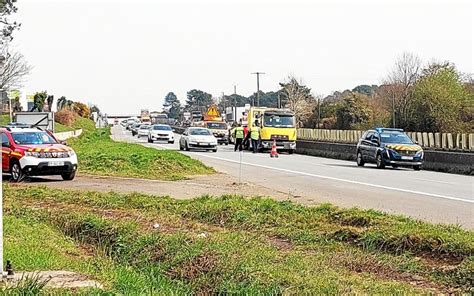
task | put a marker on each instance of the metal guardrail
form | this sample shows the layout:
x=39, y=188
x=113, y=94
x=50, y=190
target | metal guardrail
x=443, y=141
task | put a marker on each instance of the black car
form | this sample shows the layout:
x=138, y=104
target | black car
x=387, y=146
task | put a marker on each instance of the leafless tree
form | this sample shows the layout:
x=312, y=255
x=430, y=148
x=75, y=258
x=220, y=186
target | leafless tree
x=7, y=8
x=299, y=99
x=13, y=70
x=400, y=83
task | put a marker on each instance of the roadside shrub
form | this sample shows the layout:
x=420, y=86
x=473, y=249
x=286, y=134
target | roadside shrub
x=82, y=109
x=65, y=117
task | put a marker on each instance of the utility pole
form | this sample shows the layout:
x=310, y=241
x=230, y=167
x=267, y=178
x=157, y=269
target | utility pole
x=235, y=103
x=258, y=87
x=2, y=63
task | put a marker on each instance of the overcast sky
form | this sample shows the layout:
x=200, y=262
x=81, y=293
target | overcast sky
x=127, y=55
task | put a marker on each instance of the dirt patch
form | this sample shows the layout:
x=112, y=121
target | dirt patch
x=371, y=266
x=195, y=267
x=217, y=185
x=280, y=243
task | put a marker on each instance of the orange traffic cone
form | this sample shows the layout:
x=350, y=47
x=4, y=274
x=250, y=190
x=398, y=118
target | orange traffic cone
x=274, y=152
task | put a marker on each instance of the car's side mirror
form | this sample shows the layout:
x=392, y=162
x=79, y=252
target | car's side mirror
x=6, y=144
x=63, y=142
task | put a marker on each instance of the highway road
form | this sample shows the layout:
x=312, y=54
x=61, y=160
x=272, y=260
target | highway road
x=426, y=195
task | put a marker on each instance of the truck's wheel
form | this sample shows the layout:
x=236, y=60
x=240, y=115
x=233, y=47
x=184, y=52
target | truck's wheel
x=69, y=176
x=291, y=151
x=15, y=172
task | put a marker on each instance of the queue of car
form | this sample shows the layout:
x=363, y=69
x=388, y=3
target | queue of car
x=193, y=138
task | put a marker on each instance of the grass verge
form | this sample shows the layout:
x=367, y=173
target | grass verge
x=99, y=155
x=247, y=246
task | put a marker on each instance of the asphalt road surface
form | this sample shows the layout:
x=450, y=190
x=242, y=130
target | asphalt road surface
x=426, y=195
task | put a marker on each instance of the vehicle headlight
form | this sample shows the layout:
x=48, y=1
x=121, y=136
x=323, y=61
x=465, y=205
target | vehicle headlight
x=71, y=153
x=420, y=154
x=394, y=152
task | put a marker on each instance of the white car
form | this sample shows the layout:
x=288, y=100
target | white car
x=143, y=130
x=160, y=132
x=198, y=138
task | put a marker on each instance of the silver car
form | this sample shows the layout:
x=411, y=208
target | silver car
x=198, y=138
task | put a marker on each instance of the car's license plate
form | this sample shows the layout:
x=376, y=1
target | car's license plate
x=407, y=157
x=56, y=163
x=203, y=144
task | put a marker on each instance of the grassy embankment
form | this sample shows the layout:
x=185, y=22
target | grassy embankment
x=99, y=155
x=138, y=244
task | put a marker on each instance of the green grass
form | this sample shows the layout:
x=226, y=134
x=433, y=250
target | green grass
x=236, y=245
x=4, y=119
x=85, y=124
x=99, y=155
x=59, y=128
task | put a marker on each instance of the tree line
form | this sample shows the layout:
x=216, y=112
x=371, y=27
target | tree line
x=431, y=97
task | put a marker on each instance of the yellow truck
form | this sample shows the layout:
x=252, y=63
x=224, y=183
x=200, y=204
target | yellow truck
x=275, y=124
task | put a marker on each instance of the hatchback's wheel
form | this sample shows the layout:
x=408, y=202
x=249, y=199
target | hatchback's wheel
x=360, y=161
x=186, y=146
x=214, y=150
x=16, y=172
x=181, y=147
x=417, y=167
x=379, y=161
x=69, y=176
x=150, y=140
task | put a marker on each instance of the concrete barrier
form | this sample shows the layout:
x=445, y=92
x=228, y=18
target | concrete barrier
x=444, y=141
x=443, y=161
x=66, y=135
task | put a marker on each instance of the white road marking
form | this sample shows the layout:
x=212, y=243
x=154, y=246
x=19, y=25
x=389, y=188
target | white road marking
x=344, y=180
x=336, y=179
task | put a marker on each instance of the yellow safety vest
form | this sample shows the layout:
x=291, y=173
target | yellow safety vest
x=239, y=132
x=255, y=132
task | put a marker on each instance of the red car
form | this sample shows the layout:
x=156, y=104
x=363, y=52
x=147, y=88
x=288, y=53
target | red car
x=30, y=151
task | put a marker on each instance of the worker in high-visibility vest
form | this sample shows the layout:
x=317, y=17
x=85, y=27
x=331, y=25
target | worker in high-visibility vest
x=254, y=135
x=239, y=137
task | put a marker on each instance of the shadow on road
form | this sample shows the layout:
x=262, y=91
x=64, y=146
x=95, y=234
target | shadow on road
x=7, y=178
